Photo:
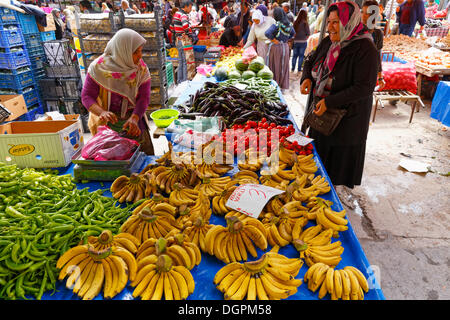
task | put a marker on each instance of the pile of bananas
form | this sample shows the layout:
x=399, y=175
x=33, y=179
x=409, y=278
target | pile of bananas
x=182, y=252
x=234, y=242
x=347, y=284
x=272, y=277
x=131, y=189
x=181, y=195
x=90, y=270
x=219, y=202
x=158, y=277
x=213, y=186
x=320, y=211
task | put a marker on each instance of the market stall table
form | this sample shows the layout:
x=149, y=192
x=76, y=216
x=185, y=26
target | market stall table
x=204, y=273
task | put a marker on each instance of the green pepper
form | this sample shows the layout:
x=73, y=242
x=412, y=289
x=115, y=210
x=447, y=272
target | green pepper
x=10, y=211
x=17, y=267
x=14, y=251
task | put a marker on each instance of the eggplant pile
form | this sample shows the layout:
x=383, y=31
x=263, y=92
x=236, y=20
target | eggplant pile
x=235, y=106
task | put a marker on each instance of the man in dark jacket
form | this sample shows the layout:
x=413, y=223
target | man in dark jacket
x=409, y=13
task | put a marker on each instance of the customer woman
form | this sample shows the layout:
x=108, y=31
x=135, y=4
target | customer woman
x=230, y=37
x=59, y=24
x=278, y=52
x=342, y=73
x=258, y=32
x=116, y=91
x=302, y=33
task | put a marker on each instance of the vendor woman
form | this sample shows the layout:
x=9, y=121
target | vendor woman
x=230, y=37
x=116, y=91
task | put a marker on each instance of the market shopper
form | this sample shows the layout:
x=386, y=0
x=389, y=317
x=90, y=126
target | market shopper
x=230, y=37
x=116, y=91
x=302, y=33
x=184, y=40
x=287, y=8
x=341, y=74
x=125, y=5
x=409, y=13
x=278, y=52
x=257, y=33
x=59, y=24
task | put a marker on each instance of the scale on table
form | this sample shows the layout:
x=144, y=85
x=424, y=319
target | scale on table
x=106, y=170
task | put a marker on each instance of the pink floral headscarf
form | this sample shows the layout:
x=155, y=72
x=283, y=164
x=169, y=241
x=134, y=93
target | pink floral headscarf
x=115, y=70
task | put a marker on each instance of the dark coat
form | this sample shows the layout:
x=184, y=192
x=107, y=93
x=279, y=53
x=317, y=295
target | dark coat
x=354, y=80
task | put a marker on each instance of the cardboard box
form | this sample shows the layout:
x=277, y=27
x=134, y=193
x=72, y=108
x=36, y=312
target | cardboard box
x=15, y=104
x=50, y=24
x=41, y=144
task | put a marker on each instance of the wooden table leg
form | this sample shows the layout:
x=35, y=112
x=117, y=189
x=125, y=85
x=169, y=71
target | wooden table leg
x=419, y=84
x=375, y=110
x=413, y=107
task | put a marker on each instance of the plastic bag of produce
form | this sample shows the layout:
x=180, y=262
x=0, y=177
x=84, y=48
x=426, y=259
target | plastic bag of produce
x=107, y=144
x=249, y=54
x=399, y=76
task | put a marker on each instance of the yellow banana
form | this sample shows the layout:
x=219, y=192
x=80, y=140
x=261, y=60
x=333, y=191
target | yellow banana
x=186, y=275
x=97, y=283
x=69, y=254
x=361, y=278
x=182, y=284
x=337, y=284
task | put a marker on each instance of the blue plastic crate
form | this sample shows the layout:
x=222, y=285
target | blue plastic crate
x=16, y=79
x=38, y=62
x=28, y=23
x=8, y=16
x=39, y=74
x=33, y=40
x=48, y=35
x=34, y=110
x=14, y=58
x=35, y=51
x=11, y=36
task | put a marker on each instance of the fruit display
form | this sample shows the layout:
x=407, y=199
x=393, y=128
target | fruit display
x=271, y=277
x=88, y=270
x=235, y=106
x=159, y=277
x=172, y=52
x=347, y=284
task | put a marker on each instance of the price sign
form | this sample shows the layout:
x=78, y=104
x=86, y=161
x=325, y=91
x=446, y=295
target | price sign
x=250, y=199
x=300, y=138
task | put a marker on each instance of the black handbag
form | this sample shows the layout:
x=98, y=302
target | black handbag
x=327, y=122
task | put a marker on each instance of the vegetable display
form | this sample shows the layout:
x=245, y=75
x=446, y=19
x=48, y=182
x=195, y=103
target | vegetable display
x=41, y=216
x=236, y=106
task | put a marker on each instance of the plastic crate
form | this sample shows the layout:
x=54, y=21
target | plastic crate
x=154, y=40
x=12, y=59
x=28, y=23
x=30, y=94
x=32, y=40
x=33, y=113
x=11, y=36
x=35, y=51
x=38, y=62
x=169, y=73
x=39, y=74
x=48, y=36
x=8, y=16
x=60, y=88
x=154, y=59
x=158, y=94
x=62, y=71
x=16, y=79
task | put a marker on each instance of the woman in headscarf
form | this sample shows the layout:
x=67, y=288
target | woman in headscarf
x=116, y=90
x=278, y=52
x=59, y=24
x=105, y=8
x=258, y=32
x=230, y=37
x=342, y=73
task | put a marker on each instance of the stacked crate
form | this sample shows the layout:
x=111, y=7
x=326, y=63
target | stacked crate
x=16, y=68
x=153, y=53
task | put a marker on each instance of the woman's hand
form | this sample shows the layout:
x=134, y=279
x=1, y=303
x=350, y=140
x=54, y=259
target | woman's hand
x=275, y=41
x=305, y=87
x=131, y=126
x=108, y=116
x=320, y=108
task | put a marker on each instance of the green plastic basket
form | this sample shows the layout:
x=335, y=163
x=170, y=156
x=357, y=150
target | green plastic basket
x=169, y=73
x=164, y=117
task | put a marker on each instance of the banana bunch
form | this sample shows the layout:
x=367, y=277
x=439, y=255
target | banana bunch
x=280, y=228
x=329, y=254
x=315, y=235
x=158, y=277
x=151, y=223
x=272, y=277
x=213, y=170
x=166, y=177
x=320, y=184
x=89, y=270
x=154, y=200
x=172, y=52
x=232, y=243
x=305, y=165
x=321, y=211
x=245, y=177
x=241, y=216
x=182, y=195
x=130, y=189
x=219, y=201
x=279, y=179
x=213, y=186
x=196, y=229
x=177, y=247
x=106, y=239
x=347, y=284
x=286, y=156
x=201, y=207
x=250, y=160
x=166, y=160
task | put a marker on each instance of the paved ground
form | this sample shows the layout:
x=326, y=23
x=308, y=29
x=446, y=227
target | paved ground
x=401, y=218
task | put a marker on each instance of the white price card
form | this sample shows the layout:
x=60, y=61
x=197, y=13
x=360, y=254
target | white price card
x=250, y=199
x=300, y=138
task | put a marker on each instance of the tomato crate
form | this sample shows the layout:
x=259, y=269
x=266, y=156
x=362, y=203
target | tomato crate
x=28, y=23
x=16, y=78
x=11, y=36
x=48, y=36
x=14, y=58
x=33, y=112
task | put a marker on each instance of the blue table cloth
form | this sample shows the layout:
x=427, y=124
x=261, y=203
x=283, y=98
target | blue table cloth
x=204, y=273
x=440, y=106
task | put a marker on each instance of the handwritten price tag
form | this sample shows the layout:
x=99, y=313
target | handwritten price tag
x=250, y=199
x=301, y=139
